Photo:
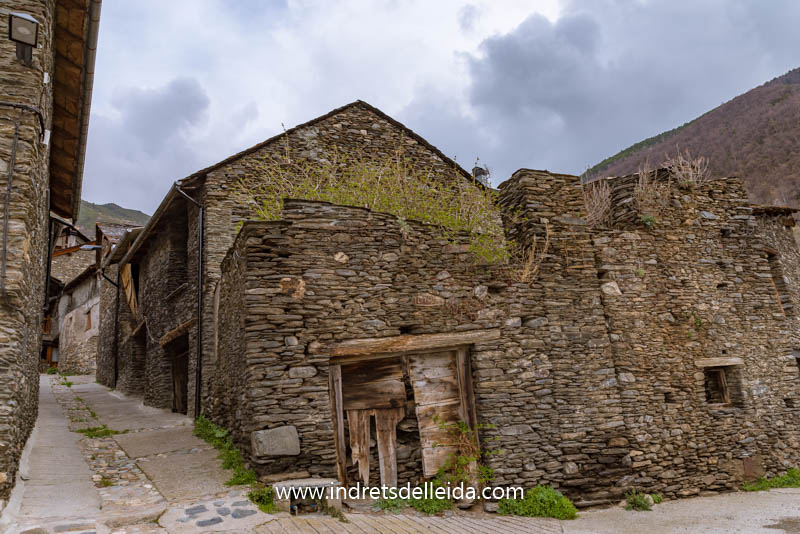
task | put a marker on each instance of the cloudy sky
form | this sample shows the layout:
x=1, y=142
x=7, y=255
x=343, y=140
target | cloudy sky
x=552, y=84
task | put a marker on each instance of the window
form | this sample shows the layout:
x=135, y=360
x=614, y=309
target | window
x=723, y=385
x=88, y=320
x=716, y=386
x=779, y=284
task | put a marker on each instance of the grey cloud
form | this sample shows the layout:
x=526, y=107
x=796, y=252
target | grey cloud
x=154, y=116
x=467, y=16
x=563, y=95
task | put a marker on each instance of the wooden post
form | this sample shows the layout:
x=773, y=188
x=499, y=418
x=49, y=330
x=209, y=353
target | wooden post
x=337, y=414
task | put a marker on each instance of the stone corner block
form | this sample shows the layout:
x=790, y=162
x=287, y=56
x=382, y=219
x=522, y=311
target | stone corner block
x=281, y=441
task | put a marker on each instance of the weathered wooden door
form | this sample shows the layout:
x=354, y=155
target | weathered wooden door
x=180, y=382
x=443, y=396
x=374, y=388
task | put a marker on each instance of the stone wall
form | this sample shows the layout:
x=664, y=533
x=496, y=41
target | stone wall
x=79, y=327
x=20, y=317
x=363, y=276
x=104, y=373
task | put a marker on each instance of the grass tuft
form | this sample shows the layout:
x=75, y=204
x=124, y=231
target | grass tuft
x=231, y=458
x=541, y=501
x=99, y=432
x=264, y=498
x=790, y=480
x=637, y=501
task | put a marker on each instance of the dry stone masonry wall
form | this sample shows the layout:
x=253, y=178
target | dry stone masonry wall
x=599, y=381
x=27, y=212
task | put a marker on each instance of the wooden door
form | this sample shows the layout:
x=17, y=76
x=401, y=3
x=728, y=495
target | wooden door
x=180, y=382
x=439, y=400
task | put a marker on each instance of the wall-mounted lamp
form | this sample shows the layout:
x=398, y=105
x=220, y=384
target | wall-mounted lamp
x=23, y=29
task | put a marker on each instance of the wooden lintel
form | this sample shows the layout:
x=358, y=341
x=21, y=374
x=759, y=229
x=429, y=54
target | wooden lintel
x=410, y=343
x=72, y=249
x=177, y=331
x=719, y=362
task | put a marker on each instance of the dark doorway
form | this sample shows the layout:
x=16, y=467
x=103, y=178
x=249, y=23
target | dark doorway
x=178, y=354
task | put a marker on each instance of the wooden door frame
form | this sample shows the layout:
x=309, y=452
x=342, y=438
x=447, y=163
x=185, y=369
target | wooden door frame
x=398, y=347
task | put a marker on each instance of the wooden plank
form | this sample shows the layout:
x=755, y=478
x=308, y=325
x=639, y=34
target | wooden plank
x=358, y=423
x=385, y=422
x=447, y=411
x=337, y=415
x=718, y=362
x=381, y=394
x=464, y=370
x=410, y=343
x=130, y=291
x=438, y=400
x=177, y=332
x=354, y=374
x=435, y=457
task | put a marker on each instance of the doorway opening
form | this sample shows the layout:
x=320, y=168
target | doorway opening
x=177, y=352
x=406, y=402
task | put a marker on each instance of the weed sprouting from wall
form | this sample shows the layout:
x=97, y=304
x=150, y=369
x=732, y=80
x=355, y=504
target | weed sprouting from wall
x=688, y=171
x=597, y=202
x=390, y=184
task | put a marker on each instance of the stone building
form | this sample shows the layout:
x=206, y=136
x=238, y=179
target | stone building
x=657, y=353
x=663, y=358
x=45, y=92
x=79, y=323
x=153, y=343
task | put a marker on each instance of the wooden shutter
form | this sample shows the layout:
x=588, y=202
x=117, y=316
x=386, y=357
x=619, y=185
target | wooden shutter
x=130, y=289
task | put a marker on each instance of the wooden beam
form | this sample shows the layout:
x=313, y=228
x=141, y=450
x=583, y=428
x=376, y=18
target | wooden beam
x=177, y=332
x=337, y=415
x=410, y=343
x=719, y=362
x=71, y=249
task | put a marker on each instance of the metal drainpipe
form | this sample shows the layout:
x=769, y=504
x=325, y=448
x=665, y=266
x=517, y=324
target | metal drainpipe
x=50, y=240
x=198, y=375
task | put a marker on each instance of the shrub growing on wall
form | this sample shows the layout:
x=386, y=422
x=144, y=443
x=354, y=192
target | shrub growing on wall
x=390, y=184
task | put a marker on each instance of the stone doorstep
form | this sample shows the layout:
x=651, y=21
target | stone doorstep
x=285, y=505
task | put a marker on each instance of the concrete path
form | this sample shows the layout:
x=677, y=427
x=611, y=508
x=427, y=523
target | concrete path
x=54, y=469
x=773, y=512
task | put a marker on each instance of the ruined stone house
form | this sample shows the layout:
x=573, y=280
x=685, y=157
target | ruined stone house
x=661, y=357
x=45, y=93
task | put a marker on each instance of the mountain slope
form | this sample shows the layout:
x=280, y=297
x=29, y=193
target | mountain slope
x=755, y=136
x=91, y=213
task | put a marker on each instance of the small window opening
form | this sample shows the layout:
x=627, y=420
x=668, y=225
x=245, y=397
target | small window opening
x=779, y=285
x=789, y=403
x=716, y=385
x=669, y=397
x=88, y=320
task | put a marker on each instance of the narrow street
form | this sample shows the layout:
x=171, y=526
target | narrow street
x=141, y=470
x=149, y=474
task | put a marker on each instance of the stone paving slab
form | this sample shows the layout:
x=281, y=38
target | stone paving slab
x=233, y=513
x=184, y=476
x=139, y=444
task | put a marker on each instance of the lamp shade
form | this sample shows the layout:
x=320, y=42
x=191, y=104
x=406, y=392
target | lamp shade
x=23, y=29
